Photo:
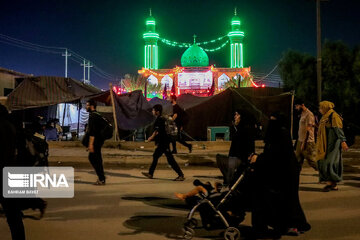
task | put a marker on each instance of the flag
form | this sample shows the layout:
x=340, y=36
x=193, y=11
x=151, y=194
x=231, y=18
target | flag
x=145, y=90
x=173, y=91
x=212, y=89
x=165, y=93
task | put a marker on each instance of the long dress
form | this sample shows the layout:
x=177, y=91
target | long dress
x=276, y=185
x=331, y=167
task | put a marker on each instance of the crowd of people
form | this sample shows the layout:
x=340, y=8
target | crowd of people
x=274, y=182
x=273, y=185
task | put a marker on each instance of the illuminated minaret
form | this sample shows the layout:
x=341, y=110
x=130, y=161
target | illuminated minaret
x=236, y=43
x=151, y=48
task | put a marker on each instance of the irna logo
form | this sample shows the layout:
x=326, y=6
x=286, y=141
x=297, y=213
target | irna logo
x=33, y=182
x=36, y=180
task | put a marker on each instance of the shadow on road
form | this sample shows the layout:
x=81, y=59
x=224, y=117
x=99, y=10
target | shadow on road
x=309, y=189
x=168, y=203
x=214, y=177
x=169, y=226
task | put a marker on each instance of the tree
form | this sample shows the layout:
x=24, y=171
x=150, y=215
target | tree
x=340, y=77
x=337, y=75
x=132, y=83
x=298, y=72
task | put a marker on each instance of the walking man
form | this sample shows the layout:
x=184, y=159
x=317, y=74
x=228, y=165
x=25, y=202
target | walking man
x=95, y=140
x=162, y=143
x=178, y=118
x=305, y=147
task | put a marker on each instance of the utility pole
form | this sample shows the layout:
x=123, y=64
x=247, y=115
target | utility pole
x=84, y=65
x=66, y=55
x=318, y=58
x=89, y=66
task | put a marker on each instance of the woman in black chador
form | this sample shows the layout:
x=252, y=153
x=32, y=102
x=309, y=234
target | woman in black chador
x=276, y=184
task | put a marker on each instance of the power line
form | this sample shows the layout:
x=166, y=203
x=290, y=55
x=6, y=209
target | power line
x=28, y=43
x=47, y=49
x=29, y=47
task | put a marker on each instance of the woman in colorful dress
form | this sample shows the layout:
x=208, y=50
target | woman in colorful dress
x=331, y=142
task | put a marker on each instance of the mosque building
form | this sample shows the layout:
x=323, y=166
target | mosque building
x=195, y=75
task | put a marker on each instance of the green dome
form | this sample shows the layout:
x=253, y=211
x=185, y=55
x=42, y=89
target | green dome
x=194, y=56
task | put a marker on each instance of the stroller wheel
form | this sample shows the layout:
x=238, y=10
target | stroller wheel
x=188, y=232
x=192, y=223
x=232, y=233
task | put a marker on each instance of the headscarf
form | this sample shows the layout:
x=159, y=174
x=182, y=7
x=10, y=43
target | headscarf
x=336, y=121
x=274, y=127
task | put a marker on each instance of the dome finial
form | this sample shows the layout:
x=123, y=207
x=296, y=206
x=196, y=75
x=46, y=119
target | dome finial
x=151, y=14
x=194, y=38
x=235, y=12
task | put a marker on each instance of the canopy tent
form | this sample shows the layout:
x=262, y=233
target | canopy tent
x=219, y=109
x=103, y=97
x=187, y=100
x=133, y=111
x=166, y=104
x=34, y=92
x=45, y=96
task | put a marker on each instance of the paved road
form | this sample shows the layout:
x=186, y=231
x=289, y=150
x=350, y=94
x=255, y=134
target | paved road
x=132, y=207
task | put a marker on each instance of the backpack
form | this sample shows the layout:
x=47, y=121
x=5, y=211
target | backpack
x=107, y=129
x=171, y=128
x=348, y=132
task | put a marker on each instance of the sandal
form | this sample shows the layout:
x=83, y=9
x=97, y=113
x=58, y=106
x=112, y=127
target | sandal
x=327, y=188
x=334, y=187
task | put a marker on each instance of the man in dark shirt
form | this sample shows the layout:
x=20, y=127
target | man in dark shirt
x=95, y=125
x=178, y=118
x=162, y=143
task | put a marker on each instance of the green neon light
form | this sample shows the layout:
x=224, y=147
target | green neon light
x=241, y=56
x=236, y=50
x=238, y=56
x=235, y=23
x=231, y=55
x=145, y=55
x=153, y=51
x=150, y=35
x=149, y=56
x=181, y=44
x=150, y=22
x=218, y=48
x=236, y=33
x=156, y=58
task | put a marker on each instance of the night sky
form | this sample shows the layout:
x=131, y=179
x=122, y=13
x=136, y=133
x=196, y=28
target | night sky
x=109, y=32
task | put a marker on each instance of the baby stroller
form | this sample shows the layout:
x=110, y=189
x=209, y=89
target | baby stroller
x=214, y=210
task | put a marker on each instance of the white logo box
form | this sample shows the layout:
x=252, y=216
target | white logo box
x=38, y=182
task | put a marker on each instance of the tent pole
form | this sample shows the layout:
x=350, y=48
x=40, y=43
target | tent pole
x=78, y=125
x=114, y=112
x=63, y=120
